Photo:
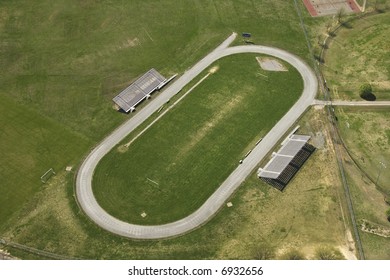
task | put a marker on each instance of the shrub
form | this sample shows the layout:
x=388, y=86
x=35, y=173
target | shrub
x=263, y=251
x=293, y=254
x=328, y=253
x=365, y=92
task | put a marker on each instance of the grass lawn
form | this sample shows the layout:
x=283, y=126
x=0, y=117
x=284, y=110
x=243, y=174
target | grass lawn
x=304, y=217
x=30, y=144
x=69, y=59
x=366, y=134
x=66, y=60
x=179, y=162
x=358, y=55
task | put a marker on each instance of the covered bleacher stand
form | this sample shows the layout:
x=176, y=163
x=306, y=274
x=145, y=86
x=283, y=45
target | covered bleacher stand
x=141, y=89
x=285, y=163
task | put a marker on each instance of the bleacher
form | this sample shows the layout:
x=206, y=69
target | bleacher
x=287, y=161
x=141, y=89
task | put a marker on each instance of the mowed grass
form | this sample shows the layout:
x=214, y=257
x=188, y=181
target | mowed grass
x=306, y=216
x=66, y=60
x=366, y=133
x=30, y=144
x=69, y=59
x=180, y=161
x=359, y=55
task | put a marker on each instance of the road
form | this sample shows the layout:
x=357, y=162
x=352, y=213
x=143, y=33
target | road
x=352, y=103
x=84, y=190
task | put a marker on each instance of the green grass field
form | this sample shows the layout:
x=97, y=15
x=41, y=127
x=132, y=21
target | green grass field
x=261, y=217
x=68, y=59
x=190, y=151
x=30, y=144
x=360, y=55
x=366, y=134
x=64, y=61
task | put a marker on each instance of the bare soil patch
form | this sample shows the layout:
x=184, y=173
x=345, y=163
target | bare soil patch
x=270, y=64
x=4, y=255
x=376, y=229
x=346, y=251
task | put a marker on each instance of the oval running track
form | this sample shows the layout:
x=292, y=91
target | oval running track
x=98, y=215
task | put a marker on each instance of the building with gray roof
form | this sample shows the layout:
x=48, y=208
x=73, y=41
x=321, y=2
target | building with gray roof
x=286, y=162
x=141, y=89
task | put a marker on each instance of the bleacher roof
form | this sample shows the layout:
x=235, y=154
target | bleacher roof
x=284, y=156
x=139, y=90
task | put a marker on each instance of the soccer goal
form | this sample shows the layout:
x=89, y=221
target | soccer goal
x=48, y=174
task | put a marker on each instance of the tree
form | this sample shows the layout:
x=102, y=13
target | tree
x=328, y=27
x=380, y=6
x=365, y=92
x=340, y=15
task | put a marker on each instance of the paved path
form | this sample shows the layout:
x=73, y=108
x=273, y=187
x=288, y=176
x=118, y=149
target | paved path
x=84, y=191
x=351, y=103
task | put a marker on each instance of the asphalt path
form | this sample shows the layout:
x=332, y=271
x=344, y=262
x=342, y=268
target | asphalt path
x=97, y=214
x=352, y=103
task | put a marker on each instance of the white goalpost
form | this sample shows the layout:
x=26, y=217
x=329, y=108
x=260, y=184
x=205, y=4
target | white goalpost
x=45, y=177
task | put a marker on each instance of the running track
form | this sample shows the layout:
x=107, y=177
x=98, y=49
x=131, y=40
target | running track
x=84, y=191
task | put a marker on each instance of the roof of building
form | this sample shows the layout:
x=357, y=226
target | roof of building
x=139, y=90
x=284, y=156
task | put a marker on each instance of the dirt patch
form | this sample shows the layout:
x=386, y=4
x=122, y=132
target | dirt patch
x=346, y=251
x=318, y=107
x=214, y=69
x=270, y=64
x=129, y=43
x=123, y=148
x=376, y=229
x=383, y=85
x=109, y=50
x=318, y=140
x=4, y=255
